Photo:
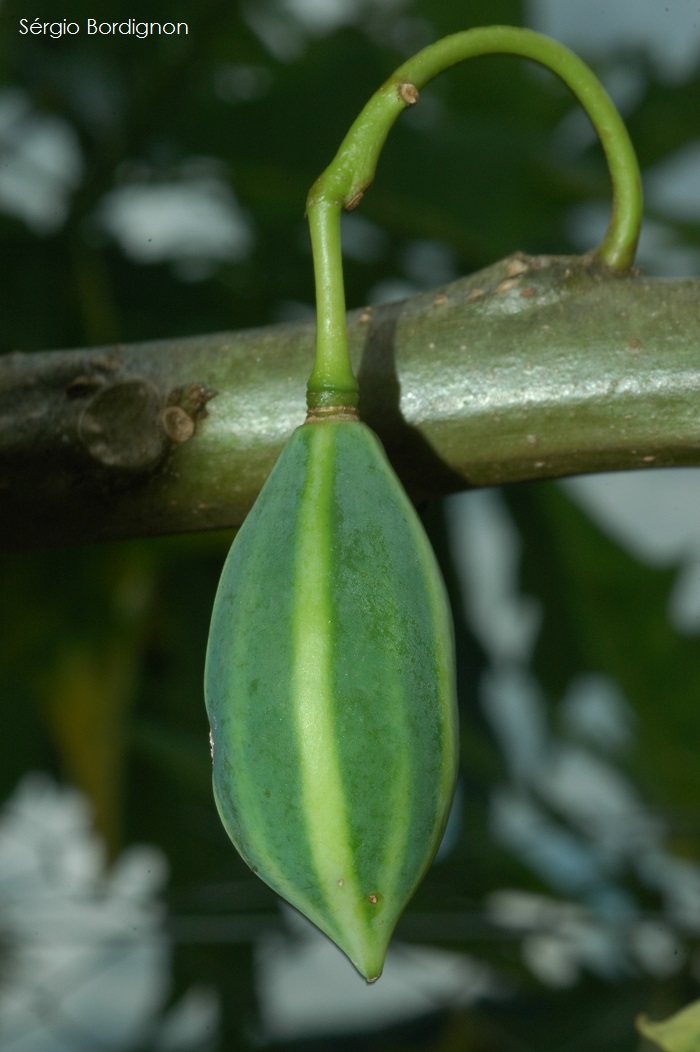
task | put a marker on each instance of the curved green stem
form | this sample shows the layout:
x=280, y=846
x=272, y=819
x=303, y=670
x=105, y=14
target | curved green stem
x=347, y=177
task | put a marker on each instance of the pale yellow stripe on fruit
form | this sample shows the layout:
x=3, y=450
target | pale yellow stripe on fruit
x=324, y=800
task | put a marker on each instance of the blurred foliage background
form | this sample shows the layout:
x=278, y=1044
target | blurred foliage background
x=155, y=188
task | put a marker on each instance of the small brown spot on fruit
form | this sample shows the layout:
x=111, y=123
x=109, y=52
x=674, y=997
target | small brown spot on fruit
x=475, y=294
x=439, y=300
x=340, y=882
x=507, y=285
x=634, y=345
x=373, y=899
x=528, y=292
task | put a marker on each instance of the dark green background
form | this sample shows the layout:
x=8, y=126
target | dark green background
x=102, y=648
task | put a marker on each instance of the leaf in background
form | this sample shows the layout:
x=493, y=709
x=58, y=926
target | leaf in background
x=679, y=1033
x=72, y=650
x=87, y=696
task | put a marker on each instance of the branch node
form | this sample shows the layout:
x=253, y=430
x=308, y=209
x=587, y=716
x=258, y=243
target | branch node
x=177, y=424
x=408, y=93
x=120, y=426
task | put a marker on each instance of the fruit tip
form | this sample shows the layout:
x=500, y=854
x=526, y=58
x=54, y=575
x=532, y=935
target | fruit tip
x=370, y=972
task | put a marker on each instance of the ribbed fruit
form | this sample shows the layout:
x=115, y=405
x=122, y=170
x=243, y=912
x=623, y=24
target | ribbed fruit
x=330, y=690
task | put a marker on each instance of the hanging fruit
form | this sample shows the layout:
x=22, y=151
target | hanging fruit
x=330, y=682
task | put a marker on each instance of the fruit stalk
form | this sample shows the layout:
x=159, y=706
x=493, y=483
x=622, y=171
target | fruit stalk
x=345, y=180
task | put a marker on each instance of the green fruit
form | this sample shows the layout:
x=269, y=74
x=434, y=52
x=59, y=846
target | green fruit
x=330, y=690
